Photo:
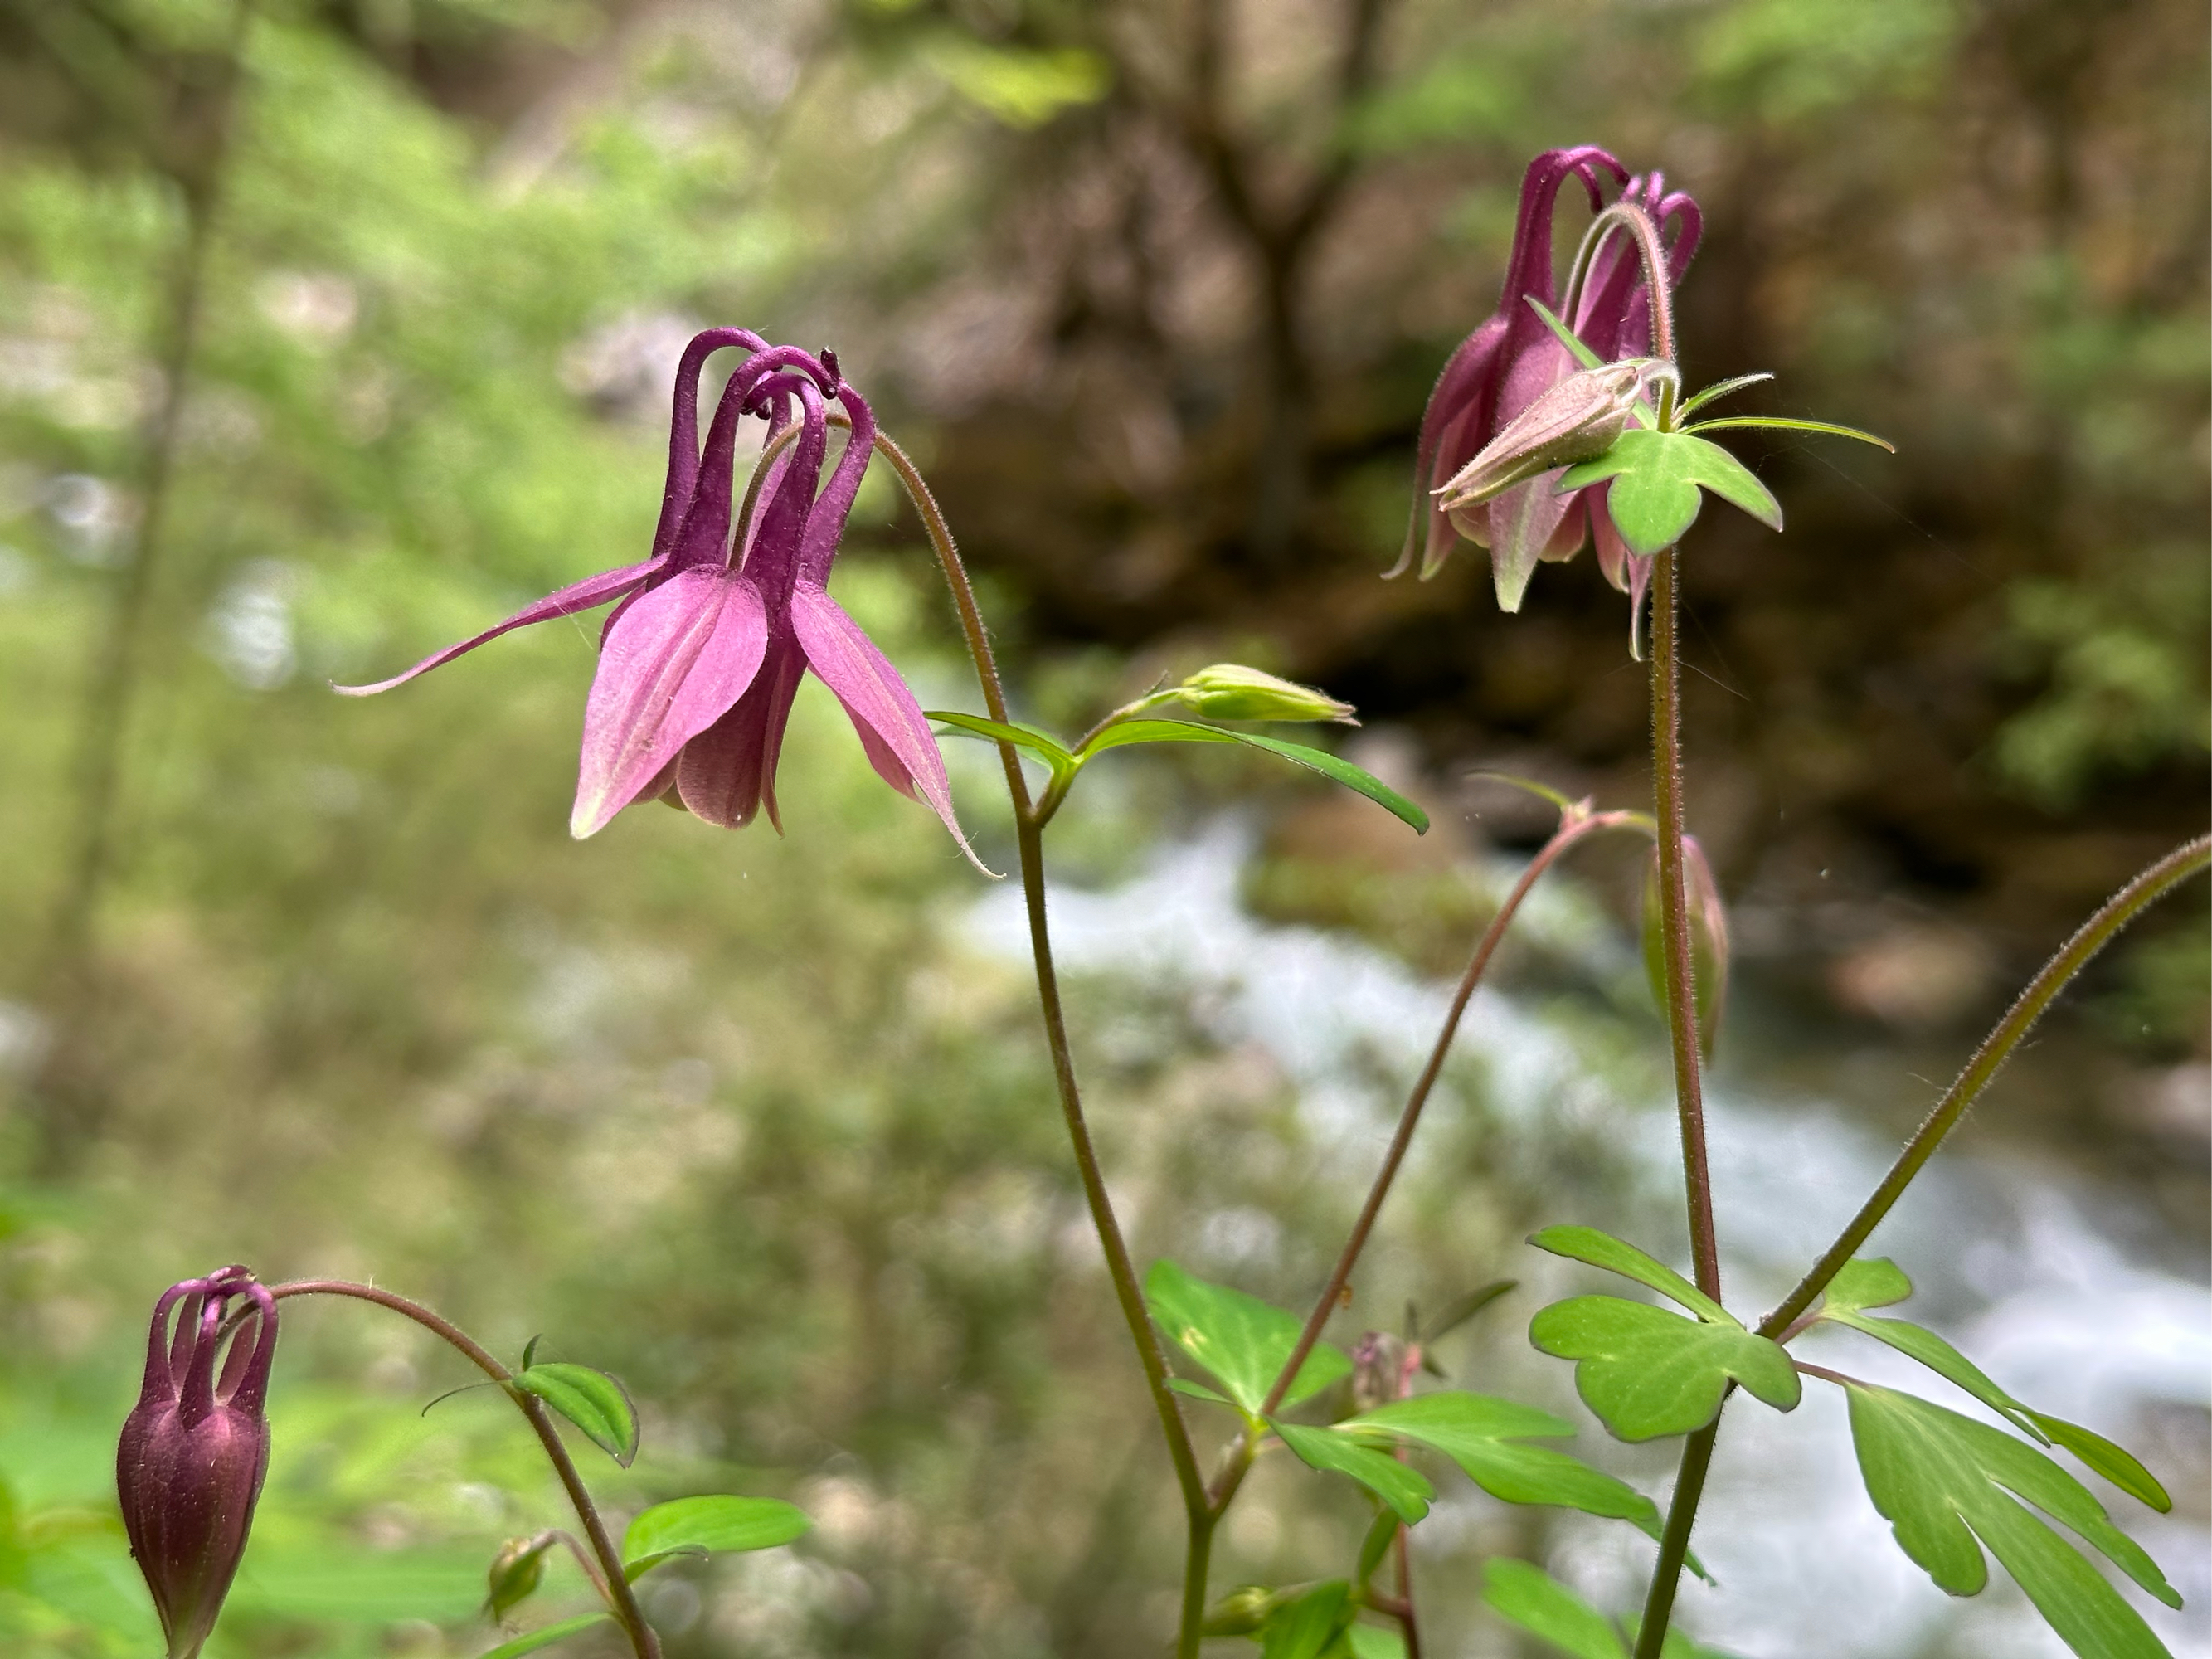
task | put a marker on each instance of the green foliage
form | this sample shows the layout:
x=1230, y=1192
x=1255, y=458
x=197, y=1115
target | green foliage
x=1308, y=1625
x=708, y=1526
x=1600, y=1250
x=1533, y=1600
x=1949, y=1486
x=1878, y=1282
x=595, y=1402
x=1404, y=1488
x=1656, y=479
x=1238, y=1338
x=547, y=1635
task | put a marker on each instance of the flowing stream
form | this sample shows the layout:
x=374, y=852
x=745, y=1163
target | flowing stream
x=2006, y=1260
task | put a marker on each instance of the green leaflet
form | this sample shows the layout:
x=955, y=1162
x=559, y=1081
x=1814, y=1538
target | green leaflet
x=1949, y=1486
x=1316, y=760
x=592, y=1401
x=546, y=1637
x=1483, y=1436
x=1307, y=1626
x=1540, y=1604
x=1405, y=1489
x=1238, y=1338
x=1656, y=477
x=706, y=1526
x=1598, y=1249
x=1876, y=1282
x=1647, y=1372
x=1374, y=1642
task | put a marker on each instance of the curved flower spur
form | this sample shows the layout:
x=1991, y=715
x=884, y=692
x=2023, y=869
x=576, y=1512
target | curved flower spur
x=1512, y=360
x=701, y=660
x=190, y=1461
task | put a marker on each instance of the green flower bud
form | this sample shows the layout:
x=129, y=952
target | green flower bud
x=1241, y=1612
x=1230, y=691
x=515, y=1572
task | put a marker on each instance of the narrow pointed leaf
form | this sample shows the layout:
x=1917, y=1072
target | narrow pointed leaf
x=1949, y=1486
x=1865, y=1282
x=1374, y=1642
x=1647, y=1372
x=1183, y=1385
x=1543, y=790
x=720, y=1524
x=1708, y=464
x=1238, y=1338
x=1714, y=392
x=1400, y=1485
x=1024, y=736
x=1583, y=357
x=547, y=1637
x=1788, y=425
x=1484, y=1437
x=1587, y=1244
x=1533, y=1600
x=2116, y=1463
x=1656, y=477
x=1376, y=1545
x=592, y=1401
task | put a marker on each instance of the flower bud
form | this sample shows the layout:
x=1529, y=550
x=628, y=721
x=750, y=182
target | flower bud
x=1382, y=1369
x=1708, y=939
x=1230, y=691
x=191, y=1458
x=1241, y=1612
x=1577, y=419
x=515, y=1573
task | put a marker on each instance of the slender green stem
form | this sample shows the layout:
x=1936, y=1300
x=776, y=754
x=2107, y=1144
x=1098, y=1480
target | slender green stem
x=622, y=1599
x=1689, y=1089
x=2090, y=938
x=1575, y=823
x=1674, y=1542
x=1029, y=832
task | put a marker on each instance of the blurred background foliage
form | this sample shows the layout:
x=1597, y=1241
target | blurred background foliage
x=1155, y=289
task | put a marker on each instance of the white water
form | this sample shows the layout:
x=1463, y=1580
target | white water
x=2007, y=1262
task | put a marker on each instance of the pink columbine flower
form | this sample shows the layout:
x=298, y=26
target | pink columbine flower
x=701, y=660
x=1512, y=359
x=190, y=1461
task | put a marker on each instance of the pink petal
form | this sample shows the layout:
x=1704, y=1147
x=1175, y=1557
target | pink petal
x=1522, y=522
x=903, y=750
x=578, y=595
x=683, y=654
x=727, y=773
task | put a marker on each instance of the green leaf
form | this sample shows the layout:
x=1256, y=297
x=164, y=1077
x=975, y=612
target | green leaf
x=1878, y=1282
x=1404, y=1488
x=708, y=1526
x=1674, y=1644
x=1374, y=1642
x=530, y=1350
x=1055, y=752
x=1198, y=1391
x=1788, y=425
x=547, y=1637
x=592, y=1401
x=1317, y=760
x=1479, y=1434
x=1948, y=1484
x=1647, y=1372
x=1376, y=1545
x=1238, y=1338
x=1587, y=1244
x=1530, y=786
x=1303, y=1628
x=1583, y=355
x=1532, y=1599
x=1657, y=476
x=1460, y=1308
x=2116, y=1463
x=1714, y=392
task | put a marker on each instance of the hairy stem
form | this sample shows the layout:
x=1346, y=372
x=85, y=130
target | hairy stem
x=622, y=1599
x=1689, y=1090
x=2090, y=938
x=1030, y=836
x=1674, y=1542
x=1574, y=825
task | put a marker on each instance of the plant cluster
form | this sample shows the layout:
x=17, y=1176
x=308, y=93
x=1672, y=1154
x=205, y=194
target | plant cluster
x=1563, y=420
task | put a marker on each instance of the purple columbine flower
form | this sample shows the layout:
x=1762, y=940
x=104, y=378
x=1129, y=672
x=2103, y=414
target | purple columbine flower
x=701, y=660
x=192, y=1453
x=1512, y=359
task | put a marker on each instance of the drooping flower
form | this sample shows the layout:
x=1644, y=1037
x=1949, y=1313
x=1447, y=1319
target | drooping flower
x=701, y=660
x=1512, y=359
x=190, y=1461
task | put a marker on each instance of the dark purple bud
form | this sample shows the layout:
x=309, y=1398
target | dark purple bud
x=190, y=1461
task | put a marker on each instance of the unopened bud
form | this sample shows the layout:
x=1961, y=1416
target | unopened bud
x=1577, y=419
x=190, y=1461
x=1230, y=691
x=515, y=1572
x=1241, y=1612
x=1382, y=1368
x=1708, y=939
